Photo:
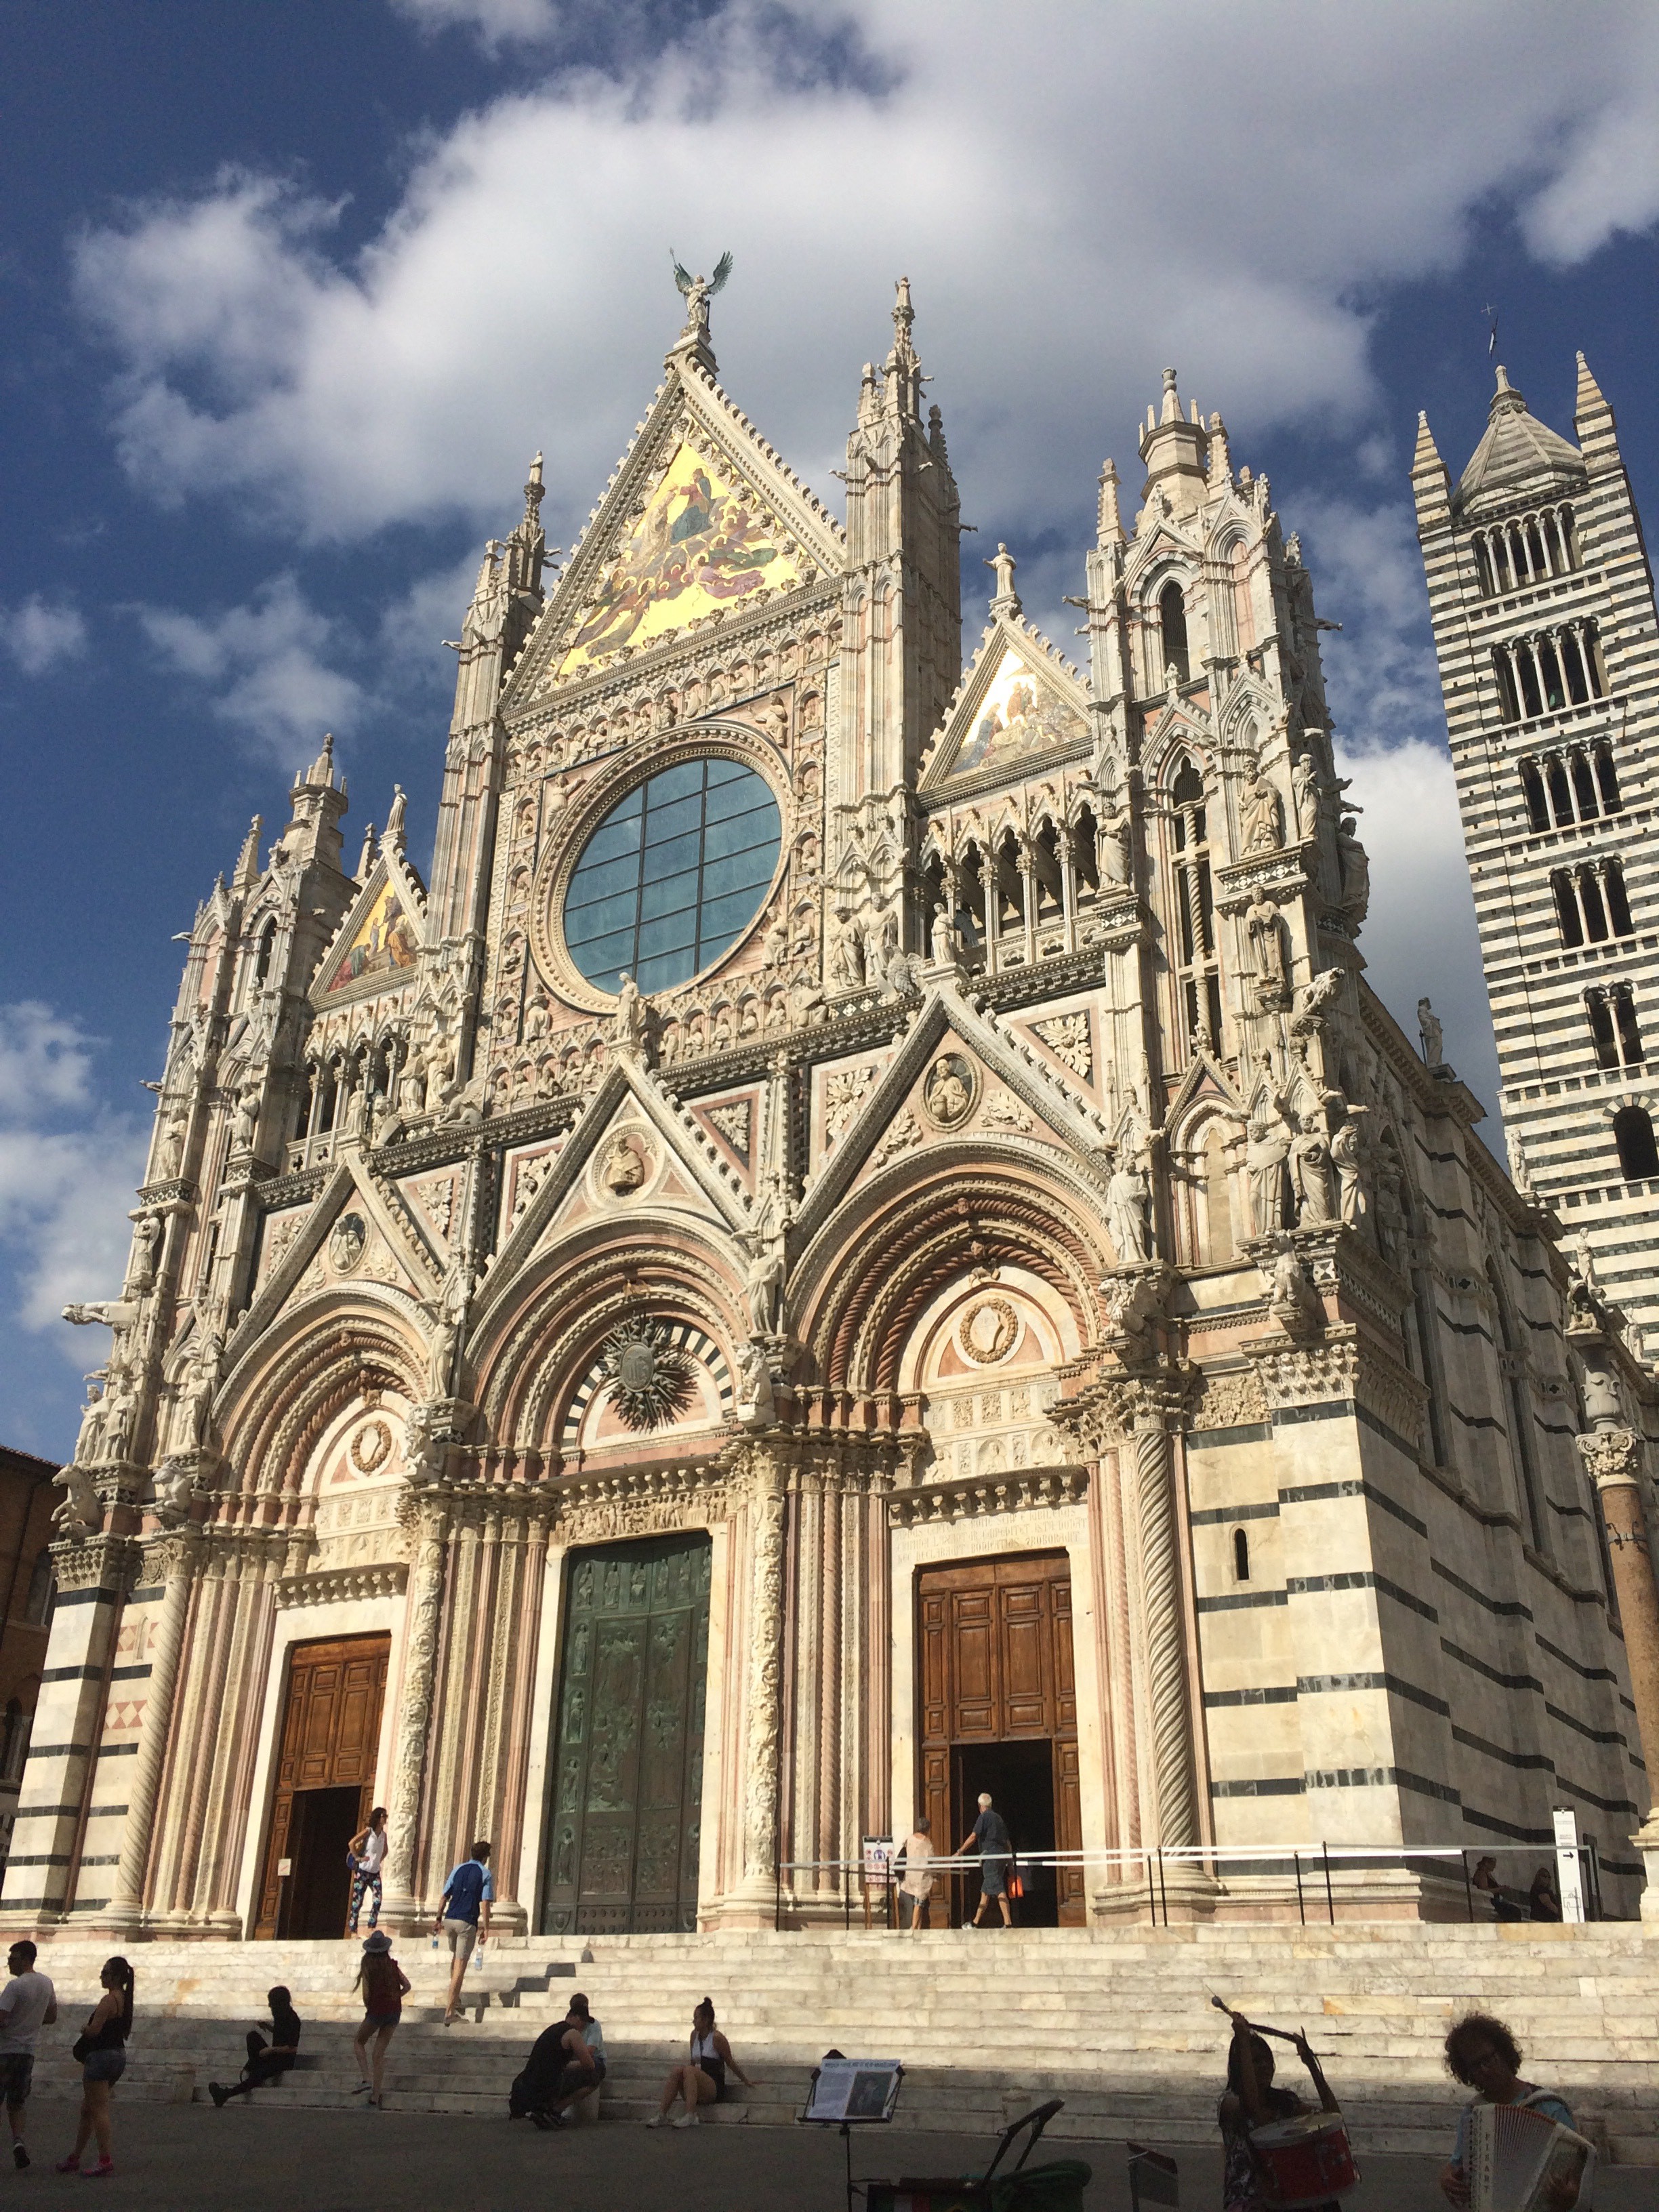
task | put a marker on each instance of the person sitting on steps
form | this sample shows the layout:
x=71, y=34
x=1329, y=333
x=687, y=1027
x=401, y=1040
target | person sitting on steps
x=566, y=2063
x=989, y=1838
x=702, y=2081
x=266, y=2061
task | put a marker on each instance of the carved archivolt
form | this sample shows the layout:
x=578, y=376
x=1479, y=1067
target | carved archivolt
x=289, y=1399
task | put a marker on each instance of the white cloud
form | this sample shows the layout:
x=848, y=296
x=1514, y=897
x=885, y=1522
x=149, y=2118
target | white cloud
x=68, y=1168
x=520, y=294
x=39, y=633
x=1419, y=940
x=267, y=664
x=494, y=23
x=1381, y=679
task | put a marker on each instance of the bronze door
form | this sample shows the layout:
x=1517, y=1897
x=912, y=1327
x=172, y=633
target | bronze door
x=621, y=1837
x=999, y=1710
x=329, y=1740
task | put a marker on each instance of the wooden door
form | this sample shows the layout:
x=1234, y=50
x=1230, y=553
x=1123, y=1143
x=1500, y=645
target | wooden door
x=995, y=1667
x=623, y=1833
x=330, y=1738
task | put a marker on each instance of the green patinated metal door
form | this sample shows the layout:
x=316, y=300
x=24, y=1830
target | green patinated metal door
x=622, y=1840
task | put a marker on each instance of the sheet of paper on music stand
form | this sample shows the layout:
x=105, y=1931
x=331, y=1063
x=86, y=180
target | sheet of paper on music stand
x=855, y=2089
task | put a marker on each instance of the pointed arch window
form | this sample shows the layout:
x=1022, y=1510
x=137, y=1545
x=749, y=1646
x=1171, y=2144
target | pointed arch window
x=1638, y=1153
x=267, y=951
x=1198, y=974
x=1241, y=1556
x=1172, y=631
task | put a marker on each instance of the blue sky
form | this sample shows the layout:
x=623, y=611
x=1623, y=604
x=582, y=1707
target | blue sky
x=289, y=294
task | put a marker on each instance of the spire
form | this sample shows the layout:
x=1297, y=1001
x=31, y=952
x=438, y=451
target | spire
x=1430, y=479
x=532, y=492
x=1109, y=525
x=1427, y=455
x=1517, y=456
x=1221, y=458
x=902, y=370
x=365, y=857
x=1592, y=418
x=1171, y=398
x=1174, y=452
x=247, y=868
x=321, y=770
x=1506, y=396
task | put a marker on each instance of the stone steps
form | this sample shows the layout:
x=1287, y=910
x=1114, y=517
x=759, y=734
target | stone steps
x=1115, y=2020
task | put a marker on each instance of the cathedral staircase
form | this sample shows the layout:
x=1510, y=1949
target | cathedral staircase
x=1117, y=2022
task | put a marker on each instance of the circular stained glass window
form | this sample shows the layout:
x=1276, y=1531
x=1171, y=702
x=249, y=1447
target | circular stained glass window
x=673, y=876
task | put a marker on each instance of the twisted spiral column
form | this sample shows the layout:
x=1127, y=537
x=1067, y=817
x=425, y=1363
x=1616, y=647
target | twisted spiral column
x=177, y=1558
x=426, y=1584
x=760, y=1832
x=1166, y=1643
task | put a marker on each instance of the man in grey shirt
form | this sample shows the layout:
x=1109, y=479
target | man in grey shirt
x=989, y=1838
x=28, y=2003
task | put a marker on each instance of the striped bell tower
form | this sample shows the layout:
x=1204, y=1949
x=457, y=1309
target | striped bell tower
x=1542, y=603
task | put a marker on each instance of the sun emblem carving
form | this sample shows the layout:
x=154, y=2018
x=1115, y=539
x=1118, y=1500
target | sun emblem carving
x=371, y=1447
x=988, y=1330
x=650, y=1379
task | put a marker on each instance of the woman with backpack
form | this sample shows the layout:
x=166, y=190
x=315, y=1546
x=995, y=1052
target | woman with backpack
x=101, y=2049
x=383, y=1985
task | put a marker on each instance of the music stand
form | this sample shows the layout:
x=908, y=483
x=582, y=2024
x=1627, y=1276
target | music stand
x=849, y=2093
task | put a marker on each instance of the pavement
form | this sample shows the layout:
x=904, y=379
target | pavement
x=177, y=2158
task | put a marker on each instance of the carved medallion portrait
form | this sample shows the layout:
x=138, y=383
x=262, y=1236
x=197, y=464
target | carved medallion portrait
x=952, y=1091
x=624, y=1165
x=988, y=1330
x=347, y=1243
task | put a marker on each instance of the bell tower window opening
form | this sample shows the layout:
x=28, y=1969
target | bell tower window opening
x=1606, y=776
x=1532, y=550
x=1595, y=910
x=1614, y=1027
x=1618, y=905
x=1566, y=909
x=1172, y=631
x=1197, y=975
x=1639, y=1154
x=1532, y=785
x=1560, y=795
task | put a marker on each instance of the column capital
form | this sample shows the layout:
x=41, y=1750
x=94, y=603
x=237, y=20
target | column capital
x=1611, y=1456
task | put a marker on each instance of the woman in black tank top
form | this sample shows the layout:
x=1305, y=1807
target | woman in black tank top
x=702, y=2081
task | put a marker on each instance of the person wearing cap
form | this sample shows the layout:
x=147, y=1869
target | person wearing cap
x=565, y=2063
x=266, y=2061
x=385, y=1985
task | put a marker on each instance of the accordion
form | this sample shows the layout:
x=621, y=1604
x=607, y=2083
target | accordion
x=1515, y=2156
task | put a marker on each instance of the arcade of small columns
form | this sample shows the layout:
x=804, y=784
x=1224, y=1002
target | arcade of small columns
x=802, y=1517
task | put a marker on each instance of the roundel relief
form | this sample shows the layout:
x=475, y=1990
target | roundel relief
x=988, y=1330
x=347, y=1244
x=950, y=1091
x=371, y=1447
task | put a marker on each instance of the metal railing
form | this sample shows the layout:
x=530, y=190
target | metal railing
x=873, y=1883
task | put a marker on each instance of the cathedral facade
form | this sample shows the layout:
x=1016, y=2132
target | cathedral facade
x=861, y=1238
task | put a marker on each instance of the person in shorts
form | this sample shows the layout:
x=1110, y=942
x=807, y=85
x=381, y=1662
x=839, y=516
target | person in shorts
x=385, y=1985
x=28, y=2003
x=101, y=2049
x=989, y=1838
x=464, y=1918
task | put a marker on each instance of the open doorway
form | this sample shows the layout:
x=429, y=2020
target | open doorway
x=1019, y=1777
x=322, y=1825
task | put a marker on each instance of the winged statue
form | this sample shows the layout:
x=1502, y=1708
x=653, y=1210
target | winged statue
x=699, y=291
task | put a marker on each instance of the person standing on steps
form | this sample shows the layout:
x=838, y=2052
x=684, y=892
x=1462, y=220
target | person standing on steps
x=464, y=1918
x=368, y=1850
x=917, y=1884
x=385, y=1985
x=101, y=2048
x=702, y=2081
x=27, y=2003
x=989, y=1838
x=266, y=2061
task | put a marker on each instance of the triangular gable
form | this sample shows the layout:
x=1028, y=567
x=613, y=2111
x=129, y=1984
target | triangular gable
x=701, y=518
x=894, y=1114
x=1205, y=1078
x=1018, y=701
x=379, y=940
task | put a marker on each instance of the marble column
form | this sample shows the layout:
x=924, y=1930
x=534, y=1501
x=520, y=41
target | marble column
x=1166, y=1641
x=1612, y=1458
x=175, y=1556
x=425, y=1599
x=755, y=1893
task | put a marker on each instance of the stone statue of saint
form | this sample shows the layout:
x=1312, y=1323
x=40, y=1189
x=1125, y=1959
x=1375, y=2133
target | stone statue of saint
x=1305, y=791
x=1264, y=815
x=1310, y=1171
x=942, y=934
x=1428, y=1028
x=1266, y=1150
x=628, y=1024
x=757, y=1408
x=146, y=1240
x=847, y=964
x=1345, y=1158
x=765, y=1289
x=1112, y=850
x=447, y=1315
x=1356, y=867
x=1126, y=1195
x=1266, y=936
x=623, y=1170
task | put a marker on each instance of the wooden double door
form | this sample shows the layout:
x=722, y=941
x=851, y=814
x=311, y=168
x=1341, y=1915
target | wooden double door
x=998, y=1703
x=627, y=1801
x=331, y=1733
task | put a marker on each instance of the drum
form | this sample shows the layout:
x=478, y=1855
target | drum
x=1304, y=2162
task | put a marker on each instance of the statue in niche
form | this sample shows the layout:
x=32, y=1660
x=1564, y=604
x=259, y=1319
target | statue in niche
x=1112, y=851
x=447, y=1315
x=1355, y=864
x=204, y=1372
x=1266, y=933
x=1127, y=1197
x=1264, y=815
x=1310, y=1170
x=628, y=1024
x=942, y=934
x=1345, y=1158
x=1267, y=1153
x=846, y=963
x=1305, y=795
x=146, y=1238
x=764, y=1286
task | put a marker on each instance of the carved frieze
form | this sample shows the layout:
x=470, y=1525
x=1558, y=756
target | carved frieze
x=1235, y=1400
x=974, y=1500
x=653, y=1502
x=338, y=1585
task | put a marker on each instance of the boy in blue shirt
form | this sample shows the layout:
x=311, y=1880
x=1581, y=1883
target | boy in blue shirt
x=464, y=1917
